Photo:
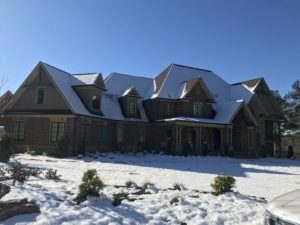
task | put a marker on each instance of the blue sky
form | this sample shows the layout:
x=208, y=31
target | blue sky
x=238, y=40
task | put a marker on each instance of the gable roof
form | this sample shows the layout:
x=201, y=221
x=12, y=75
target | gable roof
x=226, y=112
x=117, y=84
x=240, y=92
x=158, y=80
x=64, y=82
x=252, y=84
x=110, y=104
x=131, y=91
x=190, y=85
x=178, y=75
x=87, y=78
x=175, y=82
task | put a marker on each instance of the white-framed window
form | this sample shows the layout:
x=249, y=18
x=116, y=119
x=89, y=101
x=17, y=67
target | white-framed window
x=96, y=101
x=18, y=130
x=197, y=108
x=170, y=109
x=132, y=108
x=120, y=134
x=57, y=131
x=40, y=96
x=141, y=135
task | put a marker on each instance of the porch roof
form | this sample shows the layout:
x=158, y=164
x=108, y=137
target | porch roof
x=194, y=120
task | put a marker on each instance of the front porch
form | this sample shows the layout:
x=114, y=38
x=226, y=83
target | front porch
x=194, y=138
x=184, y=138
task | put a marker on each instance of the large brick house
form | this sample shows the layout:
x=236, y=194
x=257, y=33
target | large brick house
x=183, y=110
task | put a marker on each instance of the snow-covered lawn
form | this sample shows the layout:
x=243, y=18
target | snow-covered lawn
x=262, y=178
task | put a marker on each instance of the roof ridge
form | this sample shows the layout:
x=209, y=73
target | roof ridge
x=83, y=74
x=258, y=78
x=56, y=68
x=129, y=75
x=190, y=67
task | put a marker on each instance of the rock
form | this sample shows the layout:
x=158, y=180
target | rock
x=5, y=178
x=12, y=208
x=4, y=190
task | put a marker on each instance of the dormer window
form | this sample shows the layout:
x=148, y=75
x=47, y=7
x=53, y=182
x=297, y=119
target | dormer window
x=197, y=108
x=40, y=96
x=132, y=108
x=96, y=101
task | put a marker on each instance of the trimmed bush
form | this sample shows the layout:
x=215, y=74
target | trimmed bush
x=223, y=184
x=52, y=175
x=35, y=172
x=6, y=143
x=174, y=201
x=146, y=185
x=20, y=172
x=130, y=184
x=90, y=186
x=118, y=198
x=178, y=187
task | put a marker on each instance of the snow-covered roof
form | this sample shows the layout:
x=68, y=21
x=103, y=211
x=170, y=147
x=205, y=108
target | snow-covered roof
x=226, y=110
x=192, y=119
x=88, y=78
x=173, y=86
x=131, y=91
x=240, y=92
x=225, y=114
x=64, y=82
x=117, y=84
x=110, y=104
x=229, y=98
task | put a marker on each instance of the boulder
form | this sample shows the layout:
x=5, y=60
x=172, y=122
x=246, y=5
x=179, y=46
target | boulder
x=12, y=208
x=4, y=190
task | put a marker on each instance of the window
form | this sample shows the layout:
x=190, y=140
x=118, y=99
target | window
x=197, y=108
x=141, y=135
x=40, y=96
x=85, y=133
x=170, y=109
x=132, y=108
x=57, y=131
x=120, y=135
x=18, y=130
x=96, y=101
